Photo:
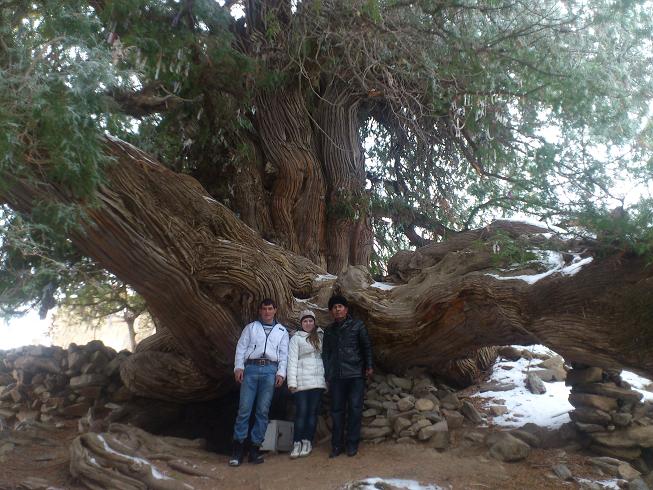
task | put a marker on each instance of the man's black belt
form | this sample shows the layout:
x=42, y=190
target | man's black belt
x=260, y=362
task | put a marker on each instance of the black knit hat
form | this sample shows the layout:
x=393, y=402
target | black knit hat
x=338, y=300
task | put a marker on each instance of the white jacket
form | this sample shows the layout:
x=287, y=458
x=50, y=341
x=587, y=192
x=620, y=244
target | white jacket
x=253, y=344
x=305, y=368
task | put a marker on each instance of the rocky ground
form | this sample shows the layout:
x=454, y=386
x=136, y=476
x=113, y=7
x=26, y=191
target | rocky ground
x=57, y=407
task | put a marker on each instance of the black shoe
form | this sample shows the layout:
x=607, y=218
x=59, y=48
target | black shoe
x=255, y=456
x=335, y=452
x=352, y=451
x=237, y=454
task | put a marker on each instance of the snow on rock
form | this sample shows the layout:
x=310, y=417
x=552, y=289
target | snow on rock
x=612, y=484
x=546, y=410
x=375, y=483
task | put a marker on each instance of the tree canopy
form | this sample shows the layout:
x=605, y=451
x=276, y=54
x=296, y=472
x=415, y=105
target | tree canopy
x=341, y=131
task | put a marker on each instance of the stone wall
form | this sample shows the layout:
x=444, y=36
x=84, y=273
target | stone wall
x=611, y=416
x=47, y=384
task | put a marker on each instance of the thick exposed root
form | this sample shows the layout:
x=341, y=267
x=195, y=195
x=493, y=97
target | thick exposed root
x=124, y=458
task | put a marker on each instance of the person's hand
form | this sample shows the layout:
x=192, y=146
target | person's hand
x=369, y=372
x=238, y=375
x=292, y=389
x=278, y=381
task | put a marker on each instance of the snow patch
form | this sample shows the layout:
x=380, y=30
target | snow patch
x=155, y=472
x=375, y=483
x=383, y=285
x=643, y=385
x=325, y=277
x=549, y=409
x=612, y=484
x=534, y=222
x=557, y=264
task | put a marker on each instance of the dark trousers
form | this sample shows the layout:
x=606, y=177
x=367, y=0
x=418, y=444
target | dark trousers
x=307, y=403
x=346, y=395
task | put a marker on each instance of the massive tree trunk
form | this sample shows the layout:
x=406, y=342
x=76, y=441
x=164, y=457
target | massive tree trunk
x=202, y=272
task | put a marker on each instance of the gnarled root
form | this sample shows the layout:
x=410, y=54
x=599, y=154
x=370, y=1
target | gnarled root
x=122, y=458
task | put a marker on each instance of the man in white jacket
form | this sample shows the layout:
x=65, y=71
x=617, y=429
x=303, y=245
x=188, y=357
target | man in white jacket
x=260, y=366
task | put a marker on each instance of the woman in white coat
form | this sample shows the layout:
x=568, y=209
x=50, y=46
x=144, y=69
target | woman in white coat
x=306, y=381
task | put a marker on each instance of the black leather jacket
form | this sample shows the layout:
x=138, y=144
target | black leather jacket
x=347, y=350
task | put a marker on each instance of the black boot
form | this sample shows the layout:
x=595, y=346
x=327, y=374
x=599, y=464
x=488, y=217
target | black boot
x=237, y=453
x=335, y=451
x=255, y=456
x=352, y=450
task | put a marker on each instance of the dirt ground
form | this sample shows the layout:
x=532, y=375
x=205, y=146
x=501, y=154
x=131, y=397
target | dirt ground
x=44, y=454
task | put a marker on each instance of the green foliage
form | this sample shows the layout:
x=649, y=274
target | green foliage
x=619, y=230
x=507, y=251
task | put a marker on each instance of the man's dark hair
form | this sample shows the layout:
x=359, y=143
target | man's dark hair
x=267, y=302
x=338, y=300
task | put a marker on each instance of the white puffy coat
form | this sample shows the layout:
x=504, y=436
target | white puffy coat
x=305, y=368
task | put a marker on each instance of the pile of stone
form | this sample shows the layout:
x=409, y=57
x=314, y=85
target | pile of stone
x=611, y=416
x=412, y=409
x=48, y=384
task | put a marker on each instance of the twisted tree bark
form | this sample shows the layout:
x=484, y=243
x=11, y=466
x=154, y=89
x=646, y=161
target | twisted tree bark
x=202, y=273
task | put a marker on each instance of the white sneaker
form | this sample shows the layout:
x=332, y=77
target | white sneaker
x=296, y=450
x=306, y=448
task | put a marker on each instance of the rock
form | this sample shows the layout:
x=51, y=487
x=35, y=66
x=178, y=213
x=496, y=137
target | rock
x=406, y=440
x=451, y=402
x=388, y=405
x=616, y=452
x=76, y=359
x=555, y=362
x=7, y=413
x=509, y=449
x=475, y=437
x=368, y=433
x=454, y=419
x=28, y=416
x=529, y=438
x=583, y=376
x=552, y=374
x=637, y=484
x=589, y=427
x=439, y=435
x=509, y=352
x=6, y=379
x=380, y=422
x=535, y=384
x=75, y=410
x=426, y=432
x=405, y=404
x=498, y=410
x=401, y=424
x=496, y=386
x=627, y=472
x=88, y=380
x=370, y=412
x=590, y=415
x=606, y=464
x=594, y=401
x=31, y=364
x=562, y=472
x=402, y=383
x=632, y=436
x=622, y=419
x=610, y=390
x=424, y=405
x=471, y=413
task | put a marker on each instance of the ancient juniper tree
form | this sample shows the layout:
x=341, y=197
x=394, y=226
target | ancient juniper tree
x=210, y=154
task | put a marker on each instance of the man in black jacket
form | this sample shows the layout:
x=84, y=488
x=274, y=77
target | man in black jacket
x=347, y=356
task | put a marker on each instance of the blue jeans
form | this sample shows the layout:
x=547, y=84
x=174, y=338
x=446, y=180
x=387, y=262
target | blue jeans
x=257, y=387
x=346, y=394
x=307, y=403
